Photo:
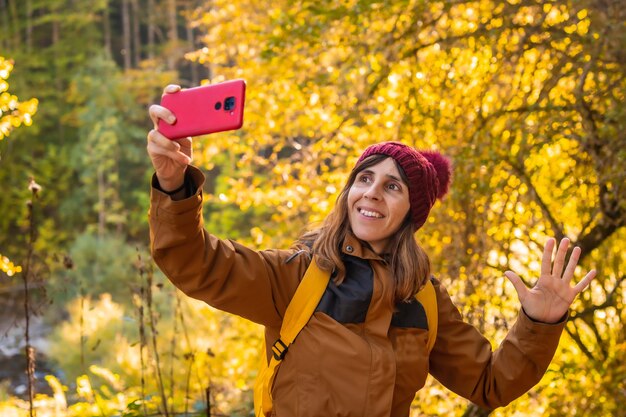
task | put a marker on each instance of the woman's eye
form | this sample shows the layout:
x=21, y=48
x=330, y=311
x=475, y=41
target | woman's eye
x=394, y=187
x=364, y=178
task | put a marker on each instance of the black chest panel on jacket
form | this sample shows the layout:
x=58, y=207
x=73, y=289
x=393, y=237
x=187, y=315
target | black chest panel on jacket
x=348, y=302
x=410, y=315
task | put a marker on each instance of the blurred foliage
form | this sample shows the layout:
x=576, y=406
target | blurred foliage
x=97, y=265
x=8, y=267
x=199, y=348
x=526, y=97
x=13, y=113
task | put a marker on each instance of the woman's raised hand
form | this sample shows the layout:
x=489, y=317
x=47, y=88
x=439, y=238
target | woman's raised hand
x=552, y=295
x=169, y=157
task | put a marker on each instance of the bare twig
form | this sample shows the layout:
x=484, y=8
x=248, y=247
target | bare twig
x=154, y=333
x=83, y=339
x=142, y=345
x=142, y=330
x=191, y=356
x=208, y=401
x=575, y=335
x=30, y=350
x=173, y=354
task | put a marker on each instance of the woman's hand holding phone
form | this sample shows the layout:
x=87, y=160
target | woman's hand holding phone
x=169, y=157
x=182, y=113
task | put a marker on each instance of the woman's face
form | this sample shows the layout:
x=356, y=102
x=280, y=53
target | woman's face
x=378, y=202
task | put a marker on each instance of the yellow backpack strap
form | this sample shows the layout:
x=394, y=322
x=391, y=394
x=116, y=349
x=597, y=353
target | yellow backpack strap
x=298, y=313
x=428, y=299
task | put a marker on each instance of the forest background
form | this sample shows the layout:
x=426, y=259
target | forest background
x=526, y=97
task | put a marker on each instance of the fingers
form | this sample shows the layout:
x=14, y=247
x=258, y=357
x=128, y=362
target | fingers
x=518, y=284
x=171, y=88
x=185, y=142
x=159, y=145
x=585, y=281
x=559, y=260
x=159, y=112
x=571, y=265
x=185, y=146
x=546, y=261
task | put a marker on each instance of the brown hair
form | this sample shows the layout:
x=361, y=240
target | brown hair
x=409, y=263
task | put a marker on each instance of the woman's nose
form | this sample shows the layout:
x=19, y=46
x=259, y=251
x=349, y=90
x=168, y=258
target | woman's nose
x=372, y=193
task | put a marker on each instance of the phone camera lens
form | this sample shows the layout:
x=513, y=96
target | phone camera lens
x=229, y=103
x=218, y=105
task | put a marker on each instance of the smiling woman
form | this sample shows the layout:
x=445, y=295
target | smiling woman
x=364, y=350
x=378, y=204
x=386, y=199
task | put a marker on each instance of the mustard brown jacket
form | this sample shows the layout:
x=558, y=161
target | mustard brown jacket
x=355, y=357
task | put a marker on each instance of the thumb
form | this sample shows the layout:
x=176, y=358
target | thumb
x=518, y=284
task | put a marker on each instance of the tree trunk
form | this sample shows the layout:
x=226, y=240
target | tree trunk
x=106, y=22
x=134, y=7
x=29, y=26
x=192, y=65
x=101, y=203
x=56, y=36
x=151, y=29
x=172, y=34
x=126, y=51
x=17, y=41
x=4, y=43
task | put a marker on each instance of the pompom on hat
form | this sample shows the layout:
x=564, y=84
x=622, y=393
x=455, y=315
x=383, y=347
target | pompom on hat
x=428, y=172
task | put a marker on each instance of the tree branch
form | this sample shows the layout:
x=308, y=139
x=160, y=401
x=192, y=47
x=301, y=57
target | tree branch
x=557, y=229
x=611, y=301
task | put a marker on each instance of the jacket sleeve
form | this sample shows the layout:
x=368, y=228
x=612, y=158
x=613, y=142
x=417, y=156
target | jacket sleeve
x=463, y=361
x=256, y=285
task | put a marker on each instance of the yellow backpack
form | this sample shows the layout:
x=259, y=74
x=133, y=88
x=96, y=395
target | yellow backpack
x=298, y=313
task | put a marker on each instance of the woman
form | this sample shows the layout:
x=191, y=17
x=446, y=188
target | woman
x=363, y=352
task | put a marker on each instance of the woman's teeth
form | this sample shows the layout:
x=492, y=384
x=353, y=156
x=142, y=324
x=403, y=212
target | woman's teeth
x=373, y=214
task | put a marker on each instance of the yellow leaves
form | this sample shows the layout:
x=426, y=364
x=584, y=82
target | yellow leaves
x=6, y=66
x=582, y=27
x=375, y=62
x=84, y=389
x=496, y=23
x=257, y=236
x=9, y=267
x=491, y=98
x=570, y=29
x=58, y=391
x=556, y=15
x=13, y=113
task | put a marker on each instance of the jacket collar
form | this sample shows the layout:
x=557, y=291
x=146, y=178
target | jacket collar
x=354, y=247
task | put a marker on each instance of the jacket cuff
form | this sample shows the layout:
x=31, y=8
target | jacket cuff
x=163, y=207
x=533, y=327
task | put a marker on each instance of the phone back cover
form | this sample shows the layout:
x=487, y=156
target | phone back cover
x=202, y=110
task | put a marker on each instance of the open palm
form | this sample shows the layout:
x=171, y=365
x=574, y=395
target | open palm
x=552, y=295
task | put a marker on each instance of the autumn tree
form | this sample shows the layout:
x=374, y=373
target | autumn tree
x=528, y=100
x=13, y=114
x=526, y=97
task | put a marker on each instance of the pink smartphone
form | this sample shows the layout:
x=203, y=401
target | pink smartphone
x=206, y=109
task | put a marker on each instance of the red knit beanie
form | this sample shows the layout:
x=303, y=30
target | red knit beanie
x=428, y=173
